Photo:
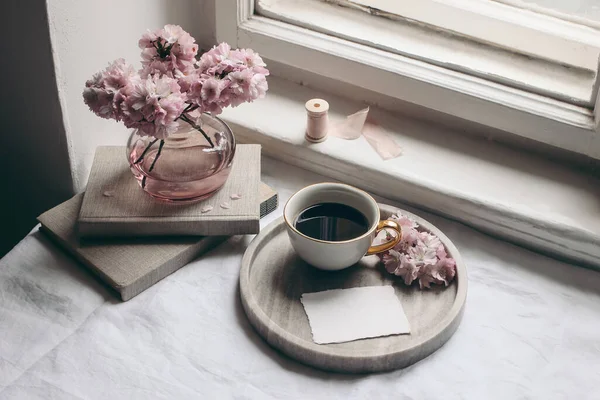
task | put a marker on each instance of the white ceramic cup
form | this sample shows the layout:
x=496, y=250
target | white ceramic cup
x=336, y=255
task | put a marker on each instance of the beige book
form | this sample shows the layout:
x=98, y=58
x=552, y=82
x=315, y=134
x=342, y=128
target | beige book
x=130, y=266
x=114, y=205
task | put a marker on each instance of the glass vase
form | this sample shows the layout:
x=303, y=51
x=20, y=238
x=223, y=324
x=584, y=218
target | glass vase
x=188, y=168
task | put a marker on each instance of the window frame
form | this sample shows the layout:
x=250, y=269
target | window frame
x=542, y=119
x=556, y=80
x=548, y=37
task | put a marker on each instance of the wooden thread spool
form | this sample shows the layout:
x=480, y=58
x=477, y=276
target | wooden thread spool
x=316, y=120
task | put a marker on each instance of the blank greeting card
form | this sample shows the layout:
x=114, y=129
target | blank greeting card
x=343, y=315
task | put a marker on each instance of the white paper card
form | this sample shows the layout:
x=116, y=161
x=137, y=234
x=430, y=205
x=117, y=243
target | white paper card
x=343, y=315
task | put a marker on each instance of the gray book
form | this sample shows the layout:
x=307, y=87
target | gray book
x=130, y=266
x=114, y=205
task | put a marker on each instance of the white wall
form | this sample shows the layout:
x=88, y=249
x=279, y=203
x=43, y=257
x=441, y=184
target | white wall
x=86, y=35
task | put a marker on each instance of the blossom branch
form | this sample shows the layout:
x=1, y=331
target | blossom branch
x=160, y=147
x=141, y=157
x=197, y=127
x=189, y=108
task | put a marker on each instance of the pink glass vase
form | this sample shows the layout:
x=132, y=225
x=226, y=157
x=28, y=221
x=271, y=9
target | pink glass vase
x=189, y=168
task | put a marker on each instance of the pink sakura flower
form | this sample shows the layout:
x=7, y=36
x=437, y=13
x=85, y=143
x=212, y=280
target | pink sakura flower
x=430, y=241
x=221, y=51
x=153, y=106
x=404, y=221
x=241, y=75
x=422, y=255
x=210, y=90
x=408, y=269
x=445, y=270
x=441, y=252
x=426, y=277
x=98, y=99
x=254, y=61
x=206, y=93
x=409, y=239
x=391, y=259
x=102, y=88
x=215, y=61
x=240, y=81
x=170, y=51
x=184, y=45
x=118, y=75
x=410, y=235
x=258, y=87
x=186, y=80
x=147, y=39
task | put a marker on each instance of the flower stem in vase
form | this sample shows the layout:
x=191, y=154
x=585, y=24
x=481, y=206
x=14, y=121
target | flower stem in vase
x=198, y=128
x=141, y=157
x=160, y=146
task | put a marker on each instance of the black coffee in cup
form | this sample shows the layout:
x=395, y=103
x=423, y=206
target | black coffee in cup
x=333, y=222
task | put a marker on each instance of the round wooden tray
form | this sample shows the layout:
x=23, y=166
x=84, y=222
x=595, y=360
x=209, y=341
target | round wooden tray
x=273, y=278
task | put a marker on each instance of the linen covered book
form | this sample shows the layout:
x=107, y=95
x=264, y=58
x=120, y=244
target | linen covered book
x=130, y=266
x=114, y=205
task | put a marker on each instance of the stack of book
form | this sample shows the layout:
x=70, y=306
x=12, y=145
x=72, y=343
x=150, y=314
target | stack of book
x=131, y=241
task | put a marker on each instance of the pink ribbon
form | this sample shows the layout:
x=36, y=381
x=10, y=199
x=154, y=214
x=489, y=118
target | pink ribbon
x=358, y=124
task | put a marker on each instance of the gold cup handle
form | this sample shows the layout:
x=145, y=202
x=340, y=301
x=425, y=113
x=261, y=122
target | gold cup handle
x=386, y=246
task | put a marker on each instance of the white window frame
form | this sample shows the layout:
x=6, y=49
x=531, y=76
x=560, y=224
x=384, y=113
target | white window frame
x=515, y=68
x=547, y=37
x=546, y=120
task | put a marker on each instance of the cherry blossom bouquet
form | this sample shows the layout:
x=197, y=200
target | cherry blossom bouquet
x=172, y=84
x=418, y=256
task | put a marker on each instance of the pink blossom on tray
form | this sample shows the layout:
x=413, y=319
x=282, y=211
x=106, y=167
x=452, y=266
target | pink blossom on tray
x=426, y=277
x=445, y=270
x=408, y=269
x=408, y=240
x=404, y=221
x=391, y=259
x=429, y=240
x=441, y=252
x=419, y=256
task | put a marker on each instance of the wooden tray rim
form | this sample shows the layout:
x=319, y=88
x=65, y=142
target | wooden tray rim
x=301, y=349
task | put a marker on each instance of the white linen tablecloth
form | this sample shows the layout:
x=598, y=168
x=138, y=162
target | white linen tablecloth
x=531, y=329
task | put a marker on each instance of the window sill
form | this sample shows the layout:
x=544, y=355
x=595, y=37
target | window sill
x=410, y=82
x=511, y=194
